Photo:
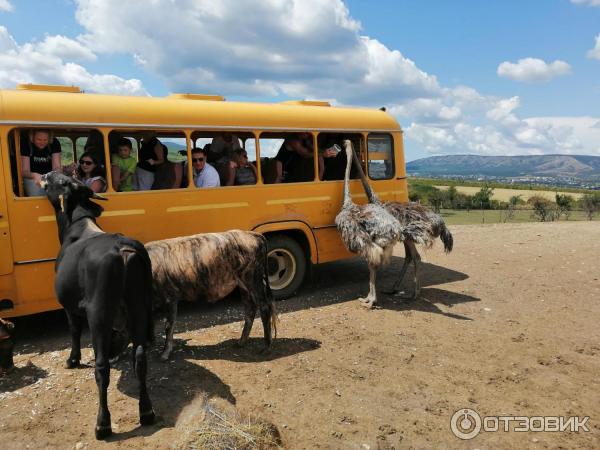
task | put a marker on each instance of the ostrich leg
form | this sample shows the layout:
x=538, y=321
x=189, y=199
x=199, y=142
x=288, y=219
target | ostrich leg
x=370, y=299
x=416, y=259
x=407, y=259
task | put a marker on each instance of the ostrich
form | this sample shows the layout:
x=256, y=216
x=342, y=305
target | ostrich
x=368, y=230
x=420, y=226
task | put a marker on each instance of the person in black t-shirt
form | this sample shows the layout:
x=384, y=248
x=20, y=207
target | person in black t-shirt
x=294, y=159
x=40, y=154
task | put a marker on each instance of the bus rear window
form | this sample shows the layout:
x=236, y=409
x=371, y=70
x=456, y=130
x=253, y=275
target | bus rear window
x=380, y=154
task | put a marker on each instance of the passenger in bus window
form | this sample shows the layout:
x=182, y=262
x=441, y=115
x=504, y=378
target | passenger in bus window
x=123, y=166
x=168, y=174
x=223, y=146
x=150, y=156
x=294, y=159
x=241, y=171
x=90, y=173
x=204, y=174
x=40, y=154
x=334, y=160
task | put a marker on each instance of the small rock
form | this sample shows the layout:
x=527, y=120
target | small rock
x=79, y=446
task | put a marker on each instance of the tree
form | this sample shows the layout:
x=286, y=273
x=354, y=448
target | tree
x=482, y=199
x=436, y=199
x=590, y=203
x=543, y=208
x=451, y=195
x=564, y=205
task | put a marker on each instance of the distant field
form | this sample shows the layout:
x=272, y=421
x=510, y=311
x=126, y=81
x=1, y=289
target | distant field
x=504, y=195
x=472, y=217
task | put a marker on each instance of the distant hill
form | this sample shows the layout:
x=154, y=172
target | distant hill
x=578, y=166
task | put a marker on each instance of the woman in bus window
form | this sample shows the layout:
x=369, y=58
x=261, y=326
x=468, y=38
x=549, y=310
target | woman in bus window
x=90, y=172
x=40, y=154
x=151, y=155
x=241, y=171
x=167, y=174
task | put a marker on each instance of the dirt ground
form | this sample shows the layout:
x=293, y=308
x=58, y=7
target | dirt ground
x=507, y=325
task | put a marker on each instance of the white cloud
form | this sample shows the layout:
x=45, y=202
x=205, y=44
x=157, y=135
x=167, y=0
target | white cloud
x=307, y=48
x=47, y=63
x=586, y=2
x=502, y=112
x=533, y=69
x=6, y=6
x=595, y=52
x=65, y=48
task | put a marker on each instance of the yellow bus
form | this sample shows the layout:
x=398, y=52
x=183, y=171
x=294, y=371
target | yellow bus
x=296, y=215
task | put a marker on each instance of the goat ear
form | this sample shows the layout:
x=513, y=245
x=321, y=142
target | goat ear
x=99, y=197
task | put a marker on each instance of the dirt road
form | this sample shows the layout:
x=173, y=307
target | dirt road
x=507, y=326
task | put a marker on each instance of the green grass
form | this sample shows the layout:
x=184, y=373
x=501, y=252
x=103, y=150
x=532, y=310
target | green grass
x=524, y=187
x=472, y=217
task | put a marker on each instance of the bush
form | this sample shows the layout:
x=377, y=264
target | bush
x=564, y=205
x=590, y=203
x=543, y=209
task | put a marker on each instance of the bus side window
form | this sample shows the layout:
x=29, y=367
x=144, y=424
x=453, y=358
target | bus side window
x=287, y=157
x=380, y=156
x=332, y=155
x=37, y=152
x=229, y=153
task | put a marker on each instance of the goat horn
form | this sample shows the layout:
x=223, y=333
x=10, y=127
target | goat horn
x=61, y=197
x=99, y=197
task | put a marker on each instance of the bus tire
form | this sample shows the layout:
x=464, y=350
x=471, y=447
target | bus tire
x=286, y=265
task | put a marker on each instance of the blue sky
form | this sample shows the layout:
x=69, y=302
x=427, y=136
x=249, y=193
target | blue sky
x=490, y=78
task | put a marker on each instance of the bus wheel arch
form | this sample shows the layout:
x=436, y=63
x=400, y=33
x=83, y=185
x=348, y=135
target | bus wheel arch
x=287, y=263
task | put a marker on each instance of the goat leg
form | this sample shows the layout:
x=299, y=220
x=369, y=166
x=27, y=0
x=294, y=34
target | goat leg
x=169, y=328
x=75, y=327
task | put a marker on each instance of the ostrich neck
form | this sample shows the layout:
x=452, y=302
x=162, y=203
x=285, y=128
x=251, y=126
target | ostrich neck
x=347, y=196
x=368, y=190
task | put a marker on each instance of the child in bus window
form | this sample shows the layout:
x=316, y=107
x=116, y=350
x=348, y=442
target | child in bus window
x=90, y=173
x=123, y=166
x=40, y=154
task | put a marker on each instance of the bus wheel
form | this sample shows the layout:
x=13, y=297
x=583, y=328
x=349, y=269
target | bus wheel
x=286, y=266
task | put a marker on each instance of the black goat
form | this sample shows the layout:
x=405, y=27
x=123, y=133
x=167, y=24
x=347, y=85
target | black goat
x=6, y=346
x=106, y=277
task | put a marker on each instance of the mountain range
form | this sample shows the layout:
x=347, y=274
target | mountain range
x=576, y=166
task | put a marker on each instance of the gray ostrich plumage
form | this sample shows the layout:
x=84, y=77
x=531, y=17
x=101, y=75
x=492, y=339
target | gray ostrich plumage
x=420, y=226
x=367, y=230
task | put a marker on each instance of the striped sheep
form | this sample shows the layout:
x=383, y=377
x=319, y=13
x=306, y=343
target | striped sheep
x=209, y=267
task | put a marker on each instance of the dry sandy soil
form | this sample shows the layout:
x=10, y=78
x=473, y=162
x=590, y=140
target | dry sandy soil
x=507, y=325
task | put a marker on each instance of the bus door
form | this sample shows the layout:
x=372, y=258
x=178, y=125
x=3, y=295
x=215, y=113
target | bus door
x=6, y=254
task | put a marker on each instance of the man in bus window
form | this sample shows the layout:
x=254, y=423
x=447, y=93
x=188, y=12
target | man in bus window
x=204, y=174
x=294, y=159
x=40, y=154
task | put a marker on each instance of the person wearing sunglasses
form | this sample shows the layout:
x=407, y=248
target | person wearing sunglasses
x=241, y=171
x=90, y=172
x=204, y=174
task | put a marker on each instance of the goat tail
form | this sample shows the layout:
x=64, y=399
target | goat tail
x=447, y=238
x=149, y=294
x=137, y=249
x=269, y=293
